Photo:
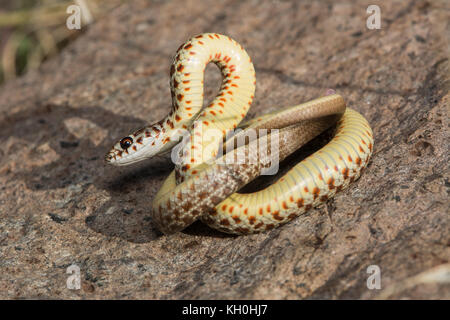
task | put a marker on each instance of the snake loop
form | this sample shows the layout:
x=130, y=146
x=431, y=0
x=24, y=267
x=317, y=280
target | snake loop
x=202, y=186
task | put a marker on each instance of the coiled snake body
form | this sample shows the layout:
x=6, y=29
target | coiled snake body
x=204, y=187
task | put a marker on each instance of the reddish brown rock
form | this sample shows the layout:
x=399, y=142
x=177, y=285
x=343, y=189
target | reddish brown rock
x=61, y=205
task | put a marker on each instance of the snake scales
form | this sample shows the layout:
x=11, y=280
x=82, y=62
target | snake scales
x=203, y=186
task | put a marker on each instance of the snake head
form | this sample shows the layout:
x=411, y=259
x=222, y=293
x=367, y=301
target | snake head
x=142, y=144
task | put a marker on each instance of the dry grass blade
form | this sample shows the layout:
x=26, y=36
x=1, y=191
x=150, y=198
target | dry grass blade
x=39, y=31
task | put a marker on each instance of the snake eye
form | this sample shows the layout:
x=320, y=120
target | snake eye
x=126, y=142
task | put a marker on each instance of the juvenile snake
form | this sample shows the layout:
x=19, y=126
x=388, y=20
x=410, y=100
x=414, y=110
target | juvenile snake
x=202, y=186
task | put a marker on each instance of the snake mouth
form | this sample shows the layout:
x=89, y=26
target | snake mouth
x=115, y=158
x=110, y=157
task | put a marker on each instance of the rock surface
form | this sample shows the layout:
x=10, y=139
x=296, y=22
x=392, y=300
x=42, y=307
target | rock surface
x=61, y=205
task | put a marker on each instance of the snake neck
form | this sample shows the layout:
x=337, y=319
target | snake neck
x=207, y=126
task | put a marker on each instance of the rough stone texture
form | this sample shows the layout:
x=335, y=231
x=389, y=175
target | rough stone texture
x=61, y=205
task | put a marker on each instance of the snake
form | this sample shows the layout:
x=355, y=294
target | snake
x=205, y=187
